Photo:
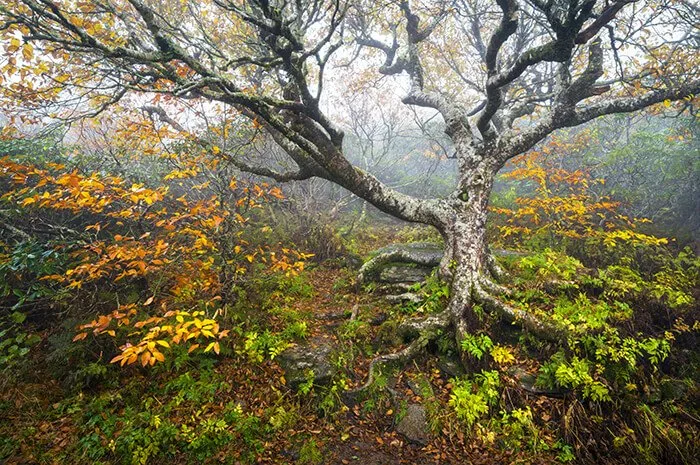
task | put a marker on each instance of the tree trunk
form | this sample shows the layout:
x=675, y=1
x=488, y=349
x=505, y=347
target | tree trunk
x=466, y=255
x=471, y=270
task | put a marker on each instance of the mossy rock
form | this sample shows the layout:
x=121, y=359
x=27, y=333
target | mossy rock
x=402, y=263
x=302, y=359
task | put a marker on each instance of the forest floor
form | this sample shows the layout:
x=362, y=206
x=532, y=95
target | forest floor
x=45, y=421
x=67, y=405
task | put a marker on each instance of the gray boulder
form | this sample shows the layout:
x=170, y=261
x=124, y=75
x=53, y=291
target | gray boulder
x=673, y=389
x=450, y=365
x=414, y=425
x=298, y=361
x=402, y=263
x=528, y=382
x=404, y=273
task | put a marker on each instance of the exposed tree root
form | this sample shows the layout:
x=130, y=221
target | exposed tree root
x=425, y=330
x=467, y=290
x=372, y=268
x=494, y=268
x=401, y=357
x=405, y=297
x=494, y=287
x=541, y=329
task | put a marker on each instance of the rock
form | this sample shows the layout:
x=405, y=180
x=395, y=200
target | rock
x=672, y=389
x=451, y=366
x=527, y=382
x=414, y=387
x=414, y=425
x=379, y=319
x=403, y=298
x=402, y=263
x=353, y=261
x=421, y=252
x=404, y=273
x=314, y=355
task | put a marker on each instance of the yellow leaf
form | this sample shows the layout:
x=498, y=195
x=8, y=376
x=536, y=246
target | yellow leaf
x=79, y=336
x=216, y=348
x=207, y=333
x=148, y=301
x=193, y=347
x=209, y=347
x=163, y=343
x=158, y=356
x=28, y=52
x=667, y=103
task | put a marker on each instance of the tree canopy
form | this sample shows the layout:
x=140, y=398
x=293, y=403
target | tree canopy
x=178, y=282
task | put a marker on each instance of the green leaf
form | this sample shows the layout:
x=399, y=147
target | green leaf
x=18, y=317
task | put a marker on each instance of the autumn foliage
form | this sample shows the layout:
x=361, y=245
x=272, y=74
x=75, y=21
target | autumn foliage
x=183, y=248
x=558, y=205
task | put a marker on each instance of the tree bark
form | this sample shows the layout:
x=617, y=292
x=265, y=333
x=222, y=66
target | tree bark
x=466, y=251
x=467, y=263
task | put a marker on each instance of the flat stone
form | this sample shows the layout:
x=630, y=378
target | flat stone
x=298, y=360
x=451, y=366
x=414, y=425
x=527, y=382
x=424, y=252
x=673, y=389
x=404, y=273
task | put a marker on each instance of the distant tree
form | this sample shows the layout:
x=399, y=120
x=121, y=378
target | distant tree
x=654, y=168
x=502, y=74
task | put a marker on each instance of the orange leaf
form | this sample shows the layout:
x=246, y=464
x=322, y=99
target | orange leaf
x=158, y=356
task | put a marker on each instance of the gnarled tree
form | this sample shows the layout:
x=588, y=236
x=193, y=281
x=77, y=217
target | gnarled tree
x=502, y=74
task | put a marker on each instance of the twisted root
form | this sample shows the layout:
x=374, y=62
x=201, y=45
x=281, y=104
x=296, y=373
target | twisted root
x=483, y=291
x=545, y=330
x=426, y=329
